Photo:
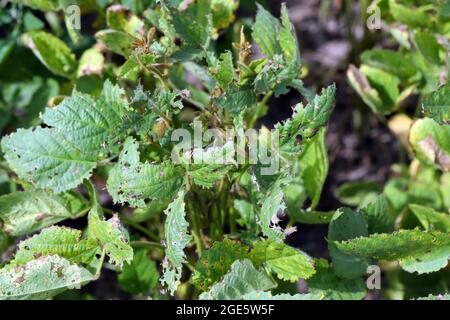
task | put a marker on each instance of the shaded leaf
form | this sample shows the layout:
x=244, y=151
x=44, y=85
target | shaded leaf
x=380, y=215
x=117, y=41
x=52, y=52
x=347, y=224
x=216, y=262
x=328, y=285
x=241, y=280
x=430, y=218
x=28, y=211
x=314, y=167
x=418, y=251
x=286, y=262
x=140, y=276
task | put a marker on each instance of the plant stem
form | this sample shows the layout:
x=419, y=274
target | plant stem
x=267, y=97
x=100, y=264
x=232, y=222
x=196, y=228
x=349, y=24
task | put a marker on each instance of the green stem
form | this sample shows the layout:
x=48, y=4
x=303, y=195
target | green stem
x=267, y=97
x=349, y=24
x=214, y=222
x=155, y=72
x=196, y=228
x=100, y=264
x=233, y=228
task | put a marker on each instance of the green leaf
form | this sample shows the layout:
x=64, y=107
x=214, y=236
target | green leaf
x=211, y=164
x=242, y=279
x=272, y=203
x=176, y=240
x=445, y=189
x=358, y=192
x=130, y=69
x=264, y=295
x=413, y=17
x=306, y=120
x=417, y=251
x=216, y=262
x=31, y=22
x=61, y=241
x=287, y=37
x=386, y=84
x=41, y=279
x=361, y=85
x=92, y=62
x=7, y=45
x=430, y=218
x=72, y=30
x=236, y=99
x=44, y=5
x=390, y=61
x=117, y=41
x=111, y=236
x=82, y=131
x=314, y=167
x=119, y=18
x=193, y=22
x=90, y=123
x=277, y=75
x=29, y=97
x=347, y=224
x=223, y=73
x=428, y=46
x=28, y=211
x=223, y=12
x=140, y=276
x=206, y=176
x=380, y=215
x=437, y=105
x=431, y=143
x=327, y=284
x=265, y=32
x=133, y=181
x=444, y=9
x=247, y=214
x=52, y=52
x=59, y=165
x=286, y=262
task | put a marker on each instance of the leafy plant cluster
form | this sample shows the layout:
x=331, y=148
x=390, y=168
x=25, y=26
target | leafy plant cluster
x=408, y=89
x=95, y=117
